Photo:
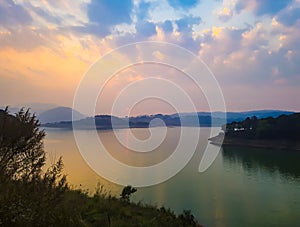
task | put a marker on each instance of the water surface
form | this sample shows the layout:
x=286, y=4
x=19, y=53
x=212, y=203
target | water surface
x=243, y=187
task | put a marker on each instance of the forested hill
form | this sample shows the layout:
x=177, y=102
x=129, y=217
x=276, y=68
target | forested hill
x=285, y=127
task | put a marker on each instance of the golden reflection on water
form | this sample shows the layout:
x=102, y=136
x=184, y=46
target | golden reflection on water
x=134, y=158
x=62, y=143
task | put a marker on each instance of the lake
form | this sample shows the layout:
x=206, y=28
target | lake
x=243, y=187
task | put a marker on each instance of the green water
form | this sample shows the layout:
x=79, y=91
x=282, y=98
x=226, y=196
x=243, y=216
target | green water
x=243, y=187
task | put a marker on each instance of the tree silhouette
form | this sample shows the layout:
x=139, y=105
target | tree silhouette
x=27, y=195
x=21, y=146
x=127, y=192
x=283, y=127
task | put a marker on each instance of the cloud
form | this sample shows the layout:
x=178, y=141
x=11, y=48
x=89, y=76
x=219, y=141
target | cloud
x=173, y=27
x=256, y=37
x=167, y=26
x=13, y=14
x=32, y=75
x=262, y=7
x=270, y=7
x=225, y=14
x=218, y=44
x=161, y=11
x=289, y=17
x=253, y=56
x=46, y=73
x=104, y=15
x=107, y=13
x=142, y=11
x=183, y=4
x=57, y=13
x=185, y=24
x=45, y=15
x=37, y=23
x=93, y=29
x=146, y=29
x=241, y=5
x=23, y=39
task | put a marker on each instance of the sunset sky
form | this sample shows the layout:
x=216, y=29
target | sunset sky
x=252, y=47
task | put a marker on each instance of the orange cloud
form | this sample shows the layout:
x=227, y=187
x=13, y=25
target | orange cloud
x=42, y=66
x=55, y=68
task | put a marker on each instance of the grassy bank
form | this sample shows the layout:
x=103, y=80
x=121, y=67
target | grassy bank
x=39, y=204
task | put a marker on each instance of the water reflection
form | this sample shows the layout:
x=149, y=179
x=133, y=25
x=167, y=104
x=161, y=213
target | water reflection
x=243, y=187
x=256, y=160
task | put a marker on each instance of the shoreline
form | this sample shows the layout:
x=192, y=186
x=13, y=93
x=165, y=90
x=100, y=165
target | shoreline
x=255, y=143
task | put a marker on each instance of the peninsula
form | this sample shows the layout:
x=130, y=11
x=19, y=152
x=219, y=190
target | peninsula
x=281, y=133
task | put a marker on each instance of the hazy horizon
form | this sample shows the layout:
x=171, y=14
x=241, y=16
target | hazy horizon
x=37, y=106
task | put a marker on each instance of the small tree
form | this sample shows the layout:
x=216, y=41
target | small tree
x=188, y=218
x=27, y=195
x=21, y=145
x=127, y=192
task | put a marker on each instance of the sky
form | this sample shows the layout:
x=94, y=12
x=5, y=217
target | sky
x=251, y=47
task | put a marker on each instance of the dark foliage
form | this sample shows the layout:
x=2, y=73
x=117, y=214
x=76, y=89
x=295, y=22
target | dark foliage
x=283, y=127
x=127, y=192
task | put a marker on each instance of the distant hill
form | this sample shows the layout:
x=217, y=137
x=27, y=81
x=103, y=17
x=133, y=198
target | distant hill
x=239, y=116
x=183, y=119
x=59, y=114
x=101, y=122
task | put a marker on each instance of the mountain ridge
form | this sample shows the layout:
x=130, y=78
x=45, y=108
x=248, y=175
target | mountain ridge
x=206, y=119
